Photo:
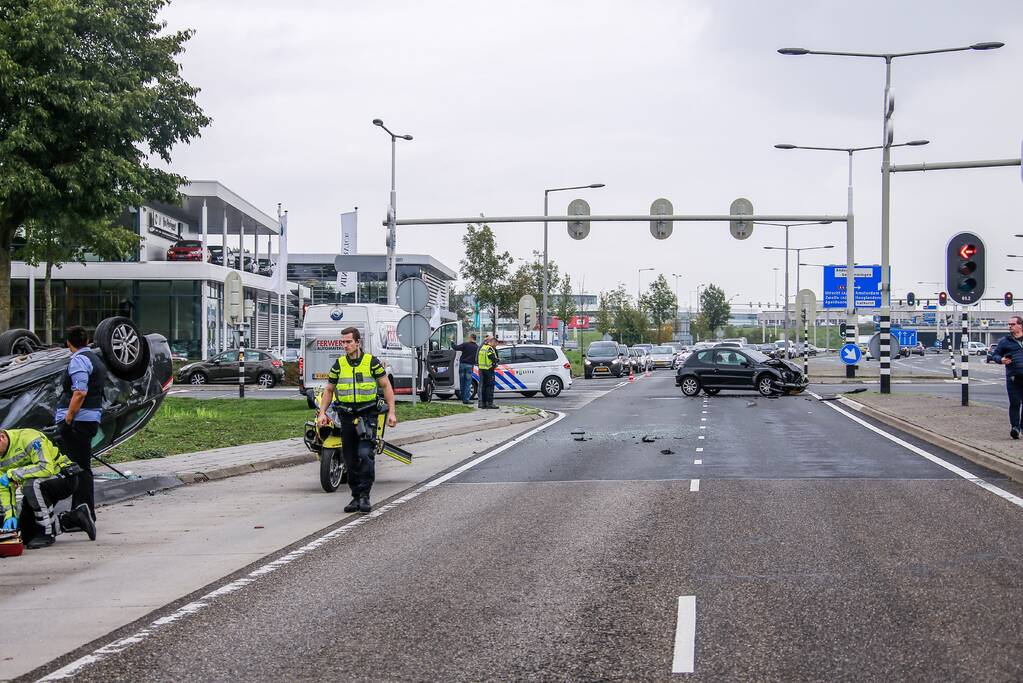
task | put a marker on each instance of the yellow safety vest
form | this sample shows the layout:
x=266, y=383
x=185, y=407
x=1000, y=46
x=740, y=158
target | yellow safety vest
x=483, y=358
x=355, y=384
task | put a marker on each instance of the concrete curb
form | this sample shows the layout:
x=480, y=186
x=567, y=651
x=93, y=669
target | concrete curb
x=992, y=461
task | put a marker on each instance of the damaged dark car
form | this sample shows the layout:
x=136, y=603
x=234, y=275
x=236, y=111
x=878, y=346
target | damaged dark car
x=712, y=370
x=138, y=378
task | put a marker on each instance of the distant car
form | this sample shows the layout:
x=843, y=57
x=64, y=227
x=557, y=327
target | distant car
x=288, y=355
x=720, y=368
x=990, y=350
x=529, y=369
x=935, y=348
x=603, y=358
x=917, y=349
x=217, y=255
x=138, y=378
x=636, y=360
x=265, y=267
x=768, y=350
x=662, y=357
x=261, y=368
x=188, y=250
x=975, y=348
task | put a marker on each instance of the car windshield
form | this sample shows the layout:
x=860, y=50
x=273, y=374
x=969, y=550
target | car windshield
x=189, y=243
x=602, y=349
x=756, y=355
x=662, y=349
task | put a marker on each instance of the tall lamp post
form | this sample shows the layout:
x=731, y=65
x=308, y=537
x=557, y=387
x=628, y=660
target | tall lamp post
x=850, y=260
x=546, y=193
x=392, y=266
x=639, y=289
x=886, y=144
x=675, y=324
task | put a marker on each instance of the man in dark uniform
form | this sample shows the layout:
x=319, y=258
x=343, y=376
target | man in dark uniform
x=1009, y=352
x=467, y=360
x=352, y=389
x=78, y=414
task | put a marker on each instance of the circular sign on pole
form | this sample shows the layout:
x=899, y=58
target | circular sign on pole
x=578, y=229
x=741, y=229
x=412, y=295
x=874, y=346
x=850, y=354
x=413, y=330
x=661, y=229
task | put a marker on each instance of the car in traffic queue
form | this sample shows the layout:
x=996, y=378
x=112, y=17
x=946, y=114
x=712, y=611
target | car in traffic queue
x=975, y=348
x=604, y=359
x=188, y=250
x=662, y=357
x=712, y=370
x=261, y=367
x=635, y=358
x=139, y=374
x=529, y=369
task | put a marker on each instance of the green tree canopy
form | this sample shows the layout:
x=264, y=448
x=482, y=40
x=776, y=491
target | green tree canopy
x=660, y=303
x=484, y=269
x=714, y=308
x=89, y=90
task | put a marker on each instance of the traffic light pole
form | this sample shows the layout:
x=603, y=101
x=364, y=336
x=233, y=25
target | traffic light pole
x=964, y=371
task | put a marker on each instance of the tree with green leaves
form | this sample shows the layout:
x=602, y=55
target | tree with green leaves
x=458, y=303
x=564, y=302
x=484, y=269
x=660, y=304
x=90, y=90
x=609, y=306
x=631, y=323
x=714, y=308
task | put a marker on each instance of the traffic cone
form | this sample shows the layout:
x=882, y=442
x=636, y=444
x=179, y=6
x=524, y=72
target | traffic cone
x=647, y=373
x=631, y=377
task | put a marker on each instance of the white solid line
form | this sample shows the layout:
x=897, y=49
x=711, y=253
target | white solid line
x=703, y=426
x=703, y=419
x=697, y=462
x=685, y=636
x=701, y=437
x=694, y=485
x=958, y=471
x=704, y=412
x=699, y=450
x=122, y=644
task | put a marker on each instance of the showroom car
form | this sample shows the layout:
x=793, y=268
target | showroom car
x=138, y=378
x=529, y=369
x=604, y=359
x=261, y=368
x=720, y=368
x=188, y=250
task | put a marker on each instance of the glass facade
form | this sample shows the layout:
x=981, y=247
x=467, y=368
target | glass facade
x=320, y=278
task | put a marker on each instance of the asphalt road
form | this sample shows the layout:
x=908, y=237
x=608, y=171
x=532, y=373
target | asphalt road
x=722, y=538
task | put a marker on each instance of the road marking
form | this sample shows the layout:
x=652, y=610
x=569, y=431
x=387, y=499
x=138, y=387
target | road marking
x=701, y=437
x=703, y=426
x=694, y=485
x=122, y=644
x=685, y=636
x=1001, y=493
x=697, y=462
x=703, y=412
x=700, y=449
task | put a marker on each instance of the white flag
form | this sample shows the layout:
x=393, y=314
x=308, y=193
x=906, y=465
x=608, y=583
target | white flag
x=346, y=281
x=280, y=281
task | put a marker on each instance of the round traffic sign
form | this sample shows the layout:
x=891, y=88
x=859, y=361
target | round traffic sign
x=413, y=330
x=874, y=346
x=850, y=354
x=413, y=295
x=741, y=229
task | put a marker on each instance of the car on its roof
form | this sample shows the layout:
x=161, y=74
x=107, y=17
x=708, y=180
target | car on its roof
x=138, y=378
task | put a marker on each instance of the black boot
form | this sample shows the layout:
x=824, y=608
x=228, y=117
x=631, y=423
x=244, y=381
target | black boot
x=353, y=506
x=364, y=505
x=84, y=518
x=40, y=541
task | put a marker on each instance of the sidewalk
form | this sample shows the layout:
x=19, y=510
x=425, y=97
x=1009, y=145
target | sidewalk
x=189, y=468
x=976, y=432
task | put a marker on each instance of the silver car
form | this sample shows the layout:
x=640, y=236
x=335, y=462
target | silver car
x=662, y=357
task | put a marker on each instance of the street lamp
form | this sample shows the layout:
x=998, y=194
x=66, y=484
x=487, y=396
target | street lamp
x=675, y=324
x=886, y=295
x=392, y=267
x=638, y=287
x=787, y=249
x=543, y=305
x=850, y=260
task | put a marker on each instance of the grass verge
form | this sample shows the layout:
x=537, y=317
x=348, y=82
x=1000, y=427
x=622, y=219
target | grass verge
x=186, y=425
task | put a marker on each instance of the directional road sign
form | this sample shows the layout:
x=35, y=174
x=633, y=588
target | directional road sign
x=850, y=354
x=868, y=286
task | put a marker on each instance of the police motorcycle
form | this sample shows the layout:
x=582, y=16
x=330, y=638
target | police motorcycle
x=325, y=441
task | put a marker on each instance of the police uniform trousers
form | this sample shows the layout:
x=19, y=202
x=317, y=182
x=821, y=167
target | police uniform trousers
x=359, y=455
x=40, y=496
x=488, y=379
x=76, y=440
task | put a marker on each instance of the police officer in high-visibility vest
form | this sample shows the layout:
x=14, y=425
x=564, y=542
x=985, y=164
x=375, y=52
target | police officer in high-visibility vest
x=352, y=384
x=486, y=361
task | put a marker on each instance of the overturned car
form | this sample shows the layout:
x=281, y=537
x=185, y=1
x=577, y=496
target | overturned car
x=32, y=374
x=712, y=370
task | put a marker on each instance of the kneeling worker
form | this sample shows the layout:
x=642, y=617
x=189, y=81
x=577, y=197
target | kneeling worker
x=28, y=459
x=353, y=384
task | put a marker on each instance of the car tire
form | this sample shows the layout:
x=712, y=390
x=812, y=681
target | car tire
x=199, y=378
x=332, y=469
x=475, y=394
x=690, y=385
x=266, y=380
x=528, y=394
x=125, y=350
x=18, y=342
x=765, y=384
x=551, y=386
x=426, y=395
x=588, y=375
x=711, y=392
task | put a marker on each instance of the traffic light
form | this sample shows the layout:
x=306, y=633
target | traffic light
x=942, y=298
x=1008, y=299
x=964, y=268
x=911, y=299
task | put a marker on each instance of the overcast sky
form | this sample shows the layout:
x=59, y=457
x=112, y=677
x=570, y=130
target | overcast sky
x=681, y=99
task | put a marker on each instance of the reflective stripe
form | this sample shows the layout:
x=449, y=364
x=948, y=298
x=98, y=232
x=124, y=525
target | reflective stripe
x=350, y=390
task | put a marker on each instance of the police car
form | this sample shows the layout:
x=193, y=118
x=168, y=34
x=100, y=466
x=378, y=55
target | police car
x=529, y=369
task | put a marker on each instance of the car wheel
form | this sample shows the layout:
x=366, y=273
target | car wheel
x=588, y=375
x=426, y=395
x=551, y=386
x=528, y=394
x=712, y=392
x=765, y=385
x=198, y=378
x=332, y=469
x=125, y=350
x=475, y=394
x=18, y=342
x=266, y=380
x=690, y=385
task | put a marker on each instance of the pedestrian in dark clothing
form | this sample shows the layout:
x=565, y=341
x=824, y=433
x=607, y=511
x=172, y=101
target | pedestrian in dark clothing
x=466, y=362
x=1009, y=352
x=486, y=361
x=78, y=414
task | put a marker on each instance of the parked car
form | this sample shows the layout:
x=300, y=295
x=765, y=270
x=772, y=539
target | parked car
x=603, y=358
x=720, y=368
x=768, y=350
x=265, y=267
x=662, y=357
x=975, y=348
x=188, y=250
x=261, y=368
x=529, y=369
x=288, y=355
x=217, y=255
x=32, y=380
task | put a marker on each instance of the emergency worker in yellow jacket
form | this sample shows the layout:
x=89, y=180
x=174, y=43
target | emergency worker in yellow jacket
x=353, y=384
x=486, y=361
x=30, y=460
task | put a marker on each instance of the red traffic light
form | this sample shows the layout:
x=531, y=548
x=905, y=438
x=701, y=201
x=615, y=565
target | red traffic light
x=967, y=250
x=942, y=298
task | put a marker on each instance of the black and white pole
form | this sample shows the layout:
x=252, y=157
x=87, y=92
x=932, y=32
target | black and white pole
x=951, y=347
x=886, y=352
x=964, y=371
x=241, y=360
x=806, y=352
x=851, y=330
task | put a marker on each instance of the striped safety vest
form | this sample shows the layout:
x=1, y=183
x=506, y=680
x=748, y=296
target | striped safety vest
x=484, y=359
x=355, y=384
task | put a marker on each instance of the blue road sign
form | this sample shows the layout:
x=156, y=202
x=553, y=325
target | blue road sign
x=850, y=354
x=868, y=286
x=905, y=337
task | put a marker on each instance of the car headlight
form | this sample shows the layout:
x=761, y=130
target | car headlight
x=616, y=362
x=587, y=361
